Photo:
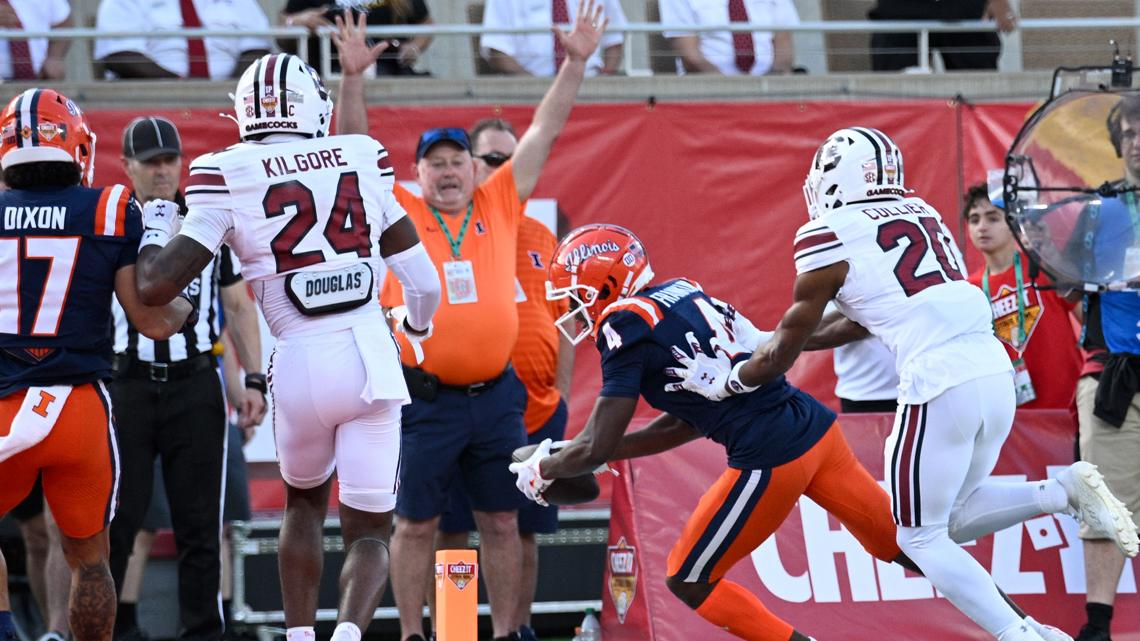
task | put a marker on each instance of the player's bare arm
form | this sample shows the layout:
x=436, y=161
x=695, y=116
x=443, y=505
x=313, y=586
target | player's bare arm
x=400, y=236
x=156, y=322
x=554, y=110
x=662, y=434
x=163, y=273
x=835, y=330
x=810, y=296
x=596, y=443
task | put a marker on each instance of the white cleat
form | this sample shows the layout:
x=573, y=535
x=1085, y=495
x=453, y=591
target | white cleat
x=1047, y=632
x=1095, y=505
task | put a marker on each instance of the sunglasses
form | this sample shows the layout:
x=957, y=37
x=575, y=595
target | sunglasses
x=494, y=158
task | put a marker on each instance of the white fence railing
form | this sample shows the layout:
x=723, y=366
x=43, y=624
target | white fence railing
x=923, y=28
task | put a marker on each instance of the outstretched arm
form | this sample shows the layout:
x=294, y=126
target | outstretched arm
x=554, y=110
x=835, y=330
x=596, y=444
x=662, y=434
x=355, y=57
x=810, y=295
x=161, y=273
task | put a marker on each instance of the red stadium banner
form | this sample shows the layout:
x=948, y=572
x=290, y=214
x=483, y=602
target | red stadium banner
x=713, y=189
x=815, y=575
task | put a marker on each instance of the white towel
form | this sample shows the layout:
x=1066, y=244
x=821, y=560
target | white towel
x=38, y=413
x=381, y=357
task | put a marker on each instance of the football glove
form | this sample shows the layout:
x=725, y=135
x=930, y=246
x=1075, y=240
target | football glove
x=160, y=222
x=399, y=315
x=530, y=481
x=715, y=378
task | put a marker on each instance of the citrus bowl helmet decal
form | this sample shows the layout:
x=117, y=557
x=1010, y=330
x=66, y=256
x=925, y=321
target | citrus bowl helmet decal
x=279, y=93
x=594, y=266
x=43, y=125
x=852, y=165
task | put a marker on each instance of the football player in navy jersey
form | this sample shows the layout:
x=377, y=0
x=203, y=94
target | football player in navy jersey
x=781, y=442
x=64, y=248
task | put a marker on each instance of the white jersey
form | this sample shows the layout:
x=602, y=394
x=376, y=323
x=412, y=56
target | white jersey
x=296, y=205
x=905, y=284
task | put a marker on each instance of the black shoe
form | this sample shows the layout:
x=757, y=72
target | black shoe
x=415, y=637
x=1090, y=633
x=514, y=636
x=134, y=634
x=526, y=633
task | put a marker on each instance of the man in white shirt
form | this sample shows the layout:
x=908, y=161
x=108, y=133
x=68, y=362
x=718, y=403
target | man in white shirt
x=36, y=57
x=536, y=54
x=731, y=53
x=213, y=58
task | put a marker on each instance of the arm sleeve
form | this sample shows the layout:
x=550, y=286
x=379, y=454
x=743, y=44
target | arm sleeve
x=616, y=16
x=114, y=15
x=497, y=13
x=622, y=341
x=817, y=246
x=209, y=227
x=132, y=226
x=677, y=12
x=415, y=271
x=60, y=11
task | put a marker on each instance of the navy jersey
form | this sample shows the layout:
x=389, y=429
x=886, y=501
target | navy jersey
x=59, y=251
x=771, y=426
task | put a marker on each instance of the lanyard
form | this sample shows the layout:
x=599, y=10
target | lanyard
x=1019, y=339
x=454, y=242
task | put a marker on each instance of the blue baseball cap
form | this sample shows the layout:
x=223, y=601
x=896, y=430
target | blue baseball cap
x=431, y=137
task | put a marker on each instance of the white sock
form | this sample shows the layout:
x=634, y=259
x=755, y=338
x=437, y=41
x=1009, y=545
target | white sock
x=996, y=505
x=301, y=633
x=1019, y=631
x=346, y=632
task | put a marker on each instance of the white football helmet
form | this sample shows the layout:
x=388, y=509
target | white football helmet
x=853, y=164
x=281, y=94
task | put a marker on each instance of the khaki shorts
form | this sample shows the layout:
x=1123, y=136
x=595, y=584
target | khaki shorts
x=1115, y=452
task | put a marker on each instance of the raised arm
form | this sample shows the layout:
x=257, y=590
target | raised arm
x=355, y=57
x=554, y=110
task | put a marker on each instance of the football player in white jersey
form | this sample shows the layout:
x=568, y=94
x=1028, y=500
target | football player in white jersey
x=895, y=272
x=310, y=216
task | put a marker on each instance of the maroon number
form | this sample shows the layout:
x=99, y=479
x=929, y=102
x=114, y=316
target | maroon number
x=906, y=270
x=938, y=241
x=277, y=199
x=347, y=229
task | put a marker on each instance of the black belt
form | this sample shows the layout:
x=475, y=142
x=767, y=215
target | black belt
x=475, y=389
x=129, y=367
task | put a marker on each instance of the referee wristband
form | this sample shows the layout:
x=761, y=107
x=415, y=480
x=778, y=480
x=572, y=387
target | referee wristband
x=734, y=383
x=257, y=382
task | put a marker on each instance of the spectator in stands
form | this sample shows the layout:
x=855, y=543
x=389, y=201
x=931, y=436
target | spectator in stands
x=543, y=359
x=399, y=59
x=541, y=54
x=1108, y=406
x=1031, y=320
x=48, y=575
x=168, y=400
x=466, y=415
x=214, y=57
x=970, y=50
x=731, y=53
x=36, y=57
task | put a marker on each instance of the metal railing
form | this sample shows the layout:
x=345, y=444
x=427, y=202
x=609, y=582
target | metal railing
x=923, y=29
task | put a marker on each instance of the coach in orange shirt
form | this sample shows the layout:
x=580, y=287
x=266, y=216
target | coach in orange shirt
x=542, y=358
x=466, y=415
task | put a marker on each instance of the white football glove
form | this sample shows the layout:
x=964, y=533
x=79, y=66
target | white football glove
x=399, y=314
x=530, y=481
x=160, y=221
x=715, y=378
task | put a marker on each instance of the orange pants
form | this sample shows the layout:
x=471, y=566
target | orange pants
x=744, y=507
x=78, y=460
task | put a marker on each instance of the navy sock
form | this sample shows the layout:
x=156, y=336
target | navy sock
x=1100, y=615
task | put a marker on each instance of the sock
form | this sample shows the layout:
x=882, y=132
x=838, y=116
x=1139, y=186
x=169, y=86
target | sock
x=227, y=612
x=346, y=632
x=996, y=505
x=126, y=617
x=301, y=633
x=737, y=610
x=1100, y=615
x=7, y=628
x=960, y=577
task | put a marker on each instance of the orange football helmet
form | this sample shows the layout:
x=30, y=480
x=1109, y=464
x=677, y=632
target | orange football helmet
x=594, y=266
x=44, y=125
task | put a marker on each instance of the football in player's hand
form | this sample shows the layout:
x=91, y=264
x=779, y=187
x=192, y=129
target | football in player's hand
x=568, y=491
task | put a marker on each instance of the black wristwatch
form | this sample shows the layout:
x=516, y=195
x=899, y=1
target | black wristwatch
x=257, y=382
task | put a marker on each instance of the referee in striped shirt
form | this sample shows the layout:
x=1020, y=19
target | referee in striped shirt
x=168, y=401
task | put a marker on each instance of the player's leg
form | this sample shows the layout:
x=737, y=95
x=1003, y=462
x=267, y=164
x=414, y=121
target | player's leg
x=79, y=486
x=368, y=462
x=735, y=515
x=236, y=508
x=29, y=516
x=495, y=500
x=19, y=473
x=933, y=455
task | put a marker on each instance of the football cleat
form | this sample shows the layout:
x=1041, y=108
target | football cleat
x=1093, y=504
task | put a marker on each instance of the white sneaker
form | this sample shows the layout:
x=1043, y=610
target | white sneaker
x=1047, y=632
x=1095, y=506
